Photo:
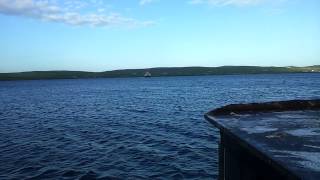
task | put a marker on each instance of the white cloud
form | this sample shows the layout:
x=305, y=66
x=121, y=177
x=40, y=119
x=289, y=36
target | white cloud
x=231, y=2
x=144, y=2
x=70, y=14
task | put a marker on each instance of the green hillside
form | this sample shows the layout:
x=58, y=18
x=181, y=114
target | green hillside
x=175, y=71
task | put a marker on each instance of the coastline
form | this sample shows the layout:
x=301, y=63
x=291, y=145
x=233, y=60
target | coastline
x=157, y=72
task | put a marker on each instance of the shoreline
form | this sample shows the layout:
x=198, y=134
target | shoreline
x=166, y=76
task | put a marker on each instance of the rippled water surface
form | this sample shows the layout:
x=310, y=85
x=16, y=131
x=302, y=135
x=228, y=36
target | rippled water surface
x=127, y=128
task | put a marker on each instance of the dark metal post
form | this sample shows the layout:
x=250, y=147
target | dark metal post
x=221, y=158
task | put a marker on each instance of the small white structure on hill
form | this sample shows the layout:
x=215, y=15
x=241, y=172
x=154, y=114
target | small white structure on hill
x=147, y=74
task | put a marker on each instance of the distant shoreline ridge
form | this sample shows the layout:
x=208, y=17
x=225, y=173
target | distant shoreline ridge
x=158, y=72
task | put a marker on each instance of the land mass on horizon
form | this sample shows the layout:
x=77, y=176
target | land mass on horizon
x=161, y=71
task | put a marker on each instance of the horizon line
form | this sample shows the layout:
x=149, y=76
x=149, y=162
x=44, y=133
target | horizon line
x=153, y=68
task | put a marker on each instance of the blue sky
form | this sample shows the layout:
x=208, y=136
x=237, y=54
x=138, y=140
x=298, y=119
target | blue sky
x=97, y=35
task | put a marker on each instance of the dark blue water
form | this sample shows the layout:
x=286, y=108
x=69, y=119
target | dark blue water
x=129, y=128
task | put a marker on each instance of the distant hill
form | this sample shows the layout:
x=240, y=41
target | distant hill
x=163, y=71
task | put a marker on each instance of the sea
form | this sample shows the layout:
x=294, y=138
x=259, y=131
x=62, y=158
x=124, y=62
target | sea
x=127, y=128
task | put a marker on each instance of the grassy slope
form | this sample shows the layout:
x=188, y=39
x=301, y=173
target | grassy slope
x=183, y=71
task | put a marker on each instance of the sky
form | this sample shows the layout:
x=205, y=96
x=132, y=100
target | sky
x=101, y=35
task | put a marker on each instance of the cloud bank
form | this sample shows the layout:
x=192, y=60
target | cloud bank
x=69, y=13
x=230, y=2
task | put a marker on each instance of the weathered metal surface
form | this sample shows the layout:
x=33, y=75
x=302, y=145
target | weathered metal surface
x=284, y=134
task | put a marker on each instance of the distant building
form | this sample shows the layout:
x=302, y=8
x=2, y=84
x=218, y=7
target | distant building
x=147, y=74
